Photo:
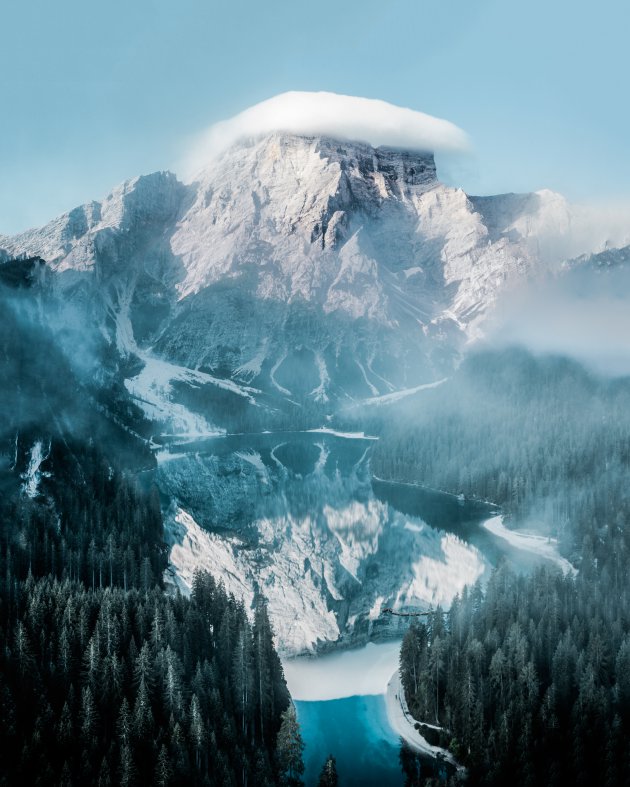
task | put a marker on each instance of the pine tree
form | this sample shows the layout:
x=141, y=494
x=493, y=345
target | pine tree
x=328, y=776
x=289, y=749
x=197, y=730
x=163, y=769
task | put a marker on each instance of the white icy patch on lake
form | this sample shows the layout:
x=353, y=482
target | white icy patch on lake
x=542, y=546
x=347, y=673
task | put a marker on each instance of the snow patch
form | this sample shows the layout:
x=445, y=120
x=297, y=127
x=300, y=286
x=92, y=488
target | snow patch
x=252, y=368
x=319, y=393
x=344, y=435
x=33, y=474
x=402, y=722
x=152, y=389
x=373, y=389
x=167, y=456
x=272, y=375
x=402, y=394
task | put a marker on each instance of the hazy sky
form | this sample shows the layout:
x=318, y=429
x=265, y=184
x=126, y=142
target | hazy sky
x=93, y=93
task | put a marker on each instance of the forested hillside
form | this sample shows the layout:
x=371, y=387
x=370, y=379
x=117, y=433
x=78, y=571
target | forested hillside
x=529, y=678
x=541, y=437
x=135, y=687
x=104, y=678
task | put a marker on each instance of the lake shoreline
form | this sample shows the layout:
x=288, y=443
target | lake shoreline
x=403, y=723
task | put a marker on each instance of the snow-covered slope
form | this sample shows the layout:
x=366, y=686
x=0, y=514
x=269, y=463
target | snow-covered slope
x=313, y=269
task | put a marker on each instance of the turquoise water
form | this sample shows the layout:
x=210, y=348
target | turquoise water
x=355, y=731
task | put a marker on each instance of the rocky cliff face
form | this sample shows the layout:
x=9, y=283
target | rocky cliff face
x=316, y=271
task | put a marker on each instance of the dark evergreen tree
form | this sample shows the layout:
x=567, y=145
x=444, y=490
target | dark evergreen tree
x=289, y=749
x=328, y=777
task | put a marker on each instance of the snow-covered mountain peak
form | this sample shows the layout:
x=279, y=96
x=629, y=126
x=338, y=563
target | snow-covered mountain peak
x=67, y=242
x=309, y=267
x=291, y=202
x=281, y=154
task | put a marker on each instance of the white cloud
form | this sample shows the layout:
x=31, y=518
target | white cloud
x=330, y=114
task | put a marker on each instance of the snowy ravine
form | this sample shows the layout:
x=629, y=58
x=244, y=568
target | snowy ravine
x=33, y=474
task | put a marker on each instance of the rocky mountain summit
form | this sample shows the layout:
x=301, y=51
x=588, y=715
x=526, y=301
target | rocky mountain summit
x=314, y=271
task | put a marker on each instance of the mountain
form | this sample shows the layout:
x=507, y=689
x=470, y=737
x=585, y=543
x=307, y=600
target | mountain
x=294, y=274
x=294, y=278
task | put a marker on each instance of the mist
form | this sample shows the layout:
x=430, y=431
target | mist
x=582, y=314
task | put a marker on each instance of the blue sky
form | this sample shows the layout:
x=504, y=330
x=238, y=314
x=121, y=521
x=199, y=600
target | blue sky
x=93, y=93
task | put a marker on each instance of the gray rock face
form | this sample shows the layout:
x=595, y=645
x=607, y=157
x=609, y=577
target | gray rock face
x=318, y=272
